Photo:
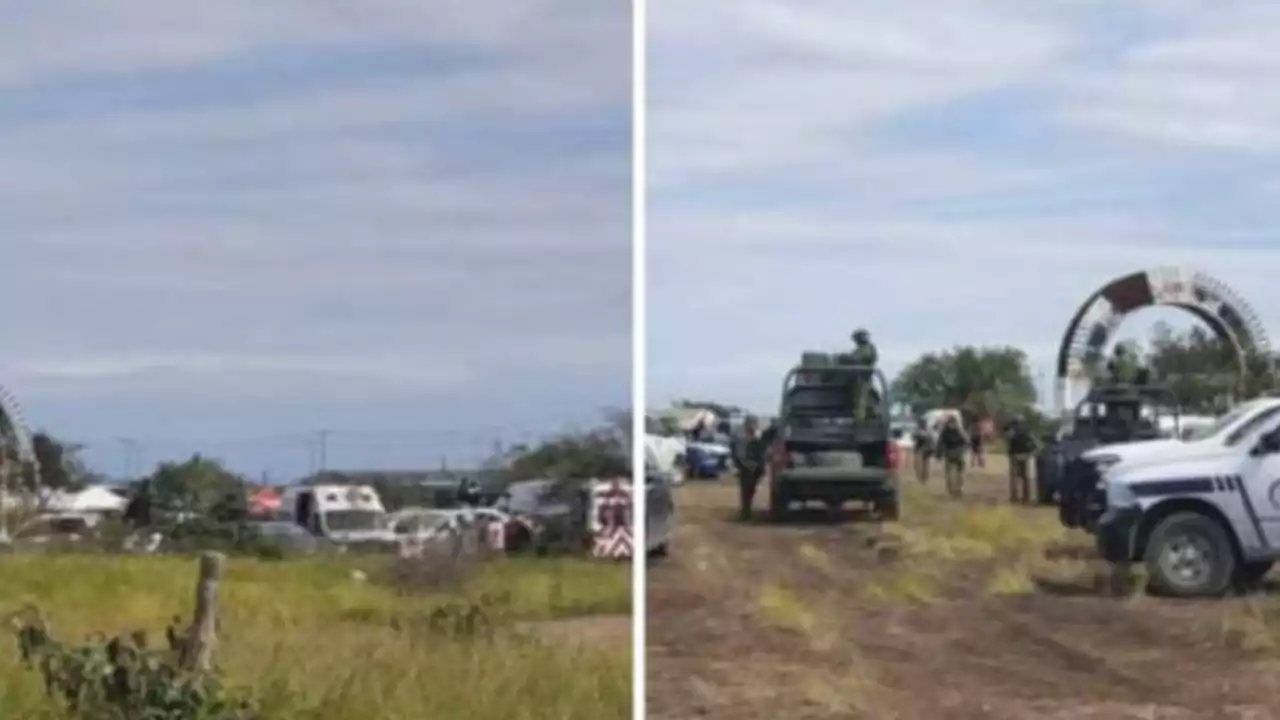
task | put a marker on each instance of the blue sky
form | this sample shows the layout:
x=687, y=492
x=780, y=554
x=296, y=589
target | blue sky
x=228, y=226
x=943, y=178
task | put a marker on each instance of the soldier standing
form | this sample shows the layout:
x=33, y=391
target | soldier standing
x=952, y=443
x=922, y=449
x=1021, y=446
x=977, y=457
x=865, y=356
x=1123, y=367
x=748, y=460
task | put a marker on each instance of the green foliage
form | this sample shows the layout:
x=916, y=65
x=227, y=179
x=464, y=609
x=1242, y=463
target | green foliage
x=600, y=452
x=198, y=485
x=60, y=467
x=1202, y=371
x=985, y=381
x=121, y=678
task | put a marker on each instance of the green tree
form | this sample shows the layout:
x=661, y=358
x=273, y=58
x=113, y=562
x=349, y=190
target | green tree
x=1203, y=371
x=572, y=457
x=198, y=485
x=981, y=381
x=58, y=465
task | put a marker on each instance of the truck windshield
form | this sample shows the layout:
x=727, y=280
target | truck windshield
x=347, y=520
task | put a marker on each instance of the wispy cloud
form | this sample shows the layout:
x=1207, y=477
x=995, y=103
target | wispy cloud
x=247, y=219
x=966, y=176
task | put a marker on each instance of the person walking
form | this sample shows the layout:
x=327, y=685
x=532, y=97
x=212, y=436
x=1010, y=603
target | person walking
x=977, y=440
x=922, y=449
x=1021, y=446
x=952, y=443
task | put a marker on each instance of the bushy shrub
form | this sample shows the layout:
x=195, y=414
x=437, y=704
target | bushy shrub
x=122, y=678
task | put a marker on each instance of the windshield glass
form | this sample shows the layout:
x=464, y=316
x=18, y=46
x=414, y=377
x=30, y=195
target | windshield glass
x=346, y=520
x=1221, y=423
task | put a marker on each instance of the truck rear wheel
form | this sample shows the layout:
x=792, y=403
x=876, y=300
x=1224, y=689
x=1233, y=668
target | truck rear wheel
x=1190, y=555
x=887, y=509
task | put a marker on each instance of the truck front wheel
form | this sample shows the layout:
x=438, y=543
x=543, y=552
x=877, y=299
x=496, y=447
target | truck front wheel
x=1190, y=555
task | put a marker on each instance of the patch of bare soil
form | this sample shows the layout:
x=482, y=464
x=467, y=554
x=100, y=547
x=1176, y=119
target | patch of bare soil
x=753, y=621
x=603, y=631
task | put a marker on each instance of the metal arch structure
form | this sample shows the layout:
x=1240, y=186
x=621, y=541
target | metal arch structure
x=14, y=430
x=1210, y=300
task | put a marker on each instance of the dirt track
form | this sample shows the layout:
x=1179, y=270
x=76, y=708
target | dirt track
x=846, y=619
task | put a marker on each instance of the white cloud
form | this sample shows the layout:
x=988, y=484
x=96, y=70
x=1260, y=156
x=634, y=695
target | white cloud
x=942, y=178
x=384, y=212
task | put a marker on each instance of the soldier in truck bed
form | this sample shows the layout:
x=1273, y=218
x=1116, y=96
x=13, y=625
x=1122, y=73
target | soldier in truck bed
x=952, y=445
x=864, y=355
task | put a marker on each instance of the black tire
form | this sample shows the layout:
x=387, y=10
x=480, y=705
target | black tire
x=1208, y=573
x=1044, y=488
x=887, y=510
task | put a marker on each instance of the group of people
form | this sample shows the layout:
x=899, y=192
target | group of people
x=952, y=442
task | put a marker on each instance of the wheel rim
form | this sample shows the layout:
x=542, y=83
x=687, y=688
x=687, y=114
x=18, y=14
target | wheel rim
x=1187, y=560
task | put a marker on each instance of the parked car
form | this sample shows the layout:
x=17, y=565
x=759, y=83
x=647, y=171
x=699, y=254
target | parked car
x=553, y=517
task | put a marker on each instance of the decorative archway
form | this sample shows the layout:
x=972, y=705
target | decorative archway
x=1212, y=301
x=14, y=432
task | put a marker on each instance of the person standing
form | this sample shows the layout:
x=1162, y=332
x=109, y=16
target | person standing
x=865, y=356
x=922, y=449
x=952, y=444
x=748, y=459
x=1021, y=446
x=976, y=442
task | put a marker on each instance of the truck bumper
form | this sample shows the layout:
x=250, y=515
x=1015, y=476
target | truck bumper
x=1115, y=533
x=840, y=491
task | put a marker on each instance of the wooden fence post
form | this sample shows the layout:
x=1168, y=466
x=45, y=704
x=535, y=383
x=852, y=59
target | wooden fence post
x=203, y=640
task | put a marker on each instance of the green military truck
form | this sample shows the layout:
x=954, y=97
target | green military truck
x=821, y=451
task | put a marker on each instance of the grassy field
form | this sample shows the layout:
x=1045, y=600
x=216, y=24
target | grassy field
x=309, y=640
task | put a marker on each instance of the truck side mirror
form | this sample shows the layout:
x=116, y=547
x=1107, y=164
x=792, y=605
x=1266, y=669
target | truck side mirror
x=1268, y=444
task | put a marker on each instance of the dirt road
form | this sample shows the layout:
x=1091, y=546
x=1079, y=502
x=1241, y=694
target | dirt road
x=962, y=610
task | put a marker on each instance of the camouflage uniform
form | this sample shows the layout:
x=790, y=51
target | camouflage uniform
x=1021, y=446
x=748, y=460
x=953, y=443
x=1123, y=367
x=922, y=449
x=864, y=355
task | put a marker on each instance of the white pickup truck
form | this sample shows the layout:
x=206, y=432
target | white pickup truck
x=1203, y=514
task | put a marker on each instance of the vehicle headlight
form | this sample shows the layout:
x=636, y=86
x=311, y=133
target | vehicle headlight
x=1120, y=494
x=1103, y=462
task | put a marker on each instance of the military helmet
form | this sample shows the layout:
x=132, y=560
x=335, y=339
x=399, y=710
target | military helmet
x=861, y=335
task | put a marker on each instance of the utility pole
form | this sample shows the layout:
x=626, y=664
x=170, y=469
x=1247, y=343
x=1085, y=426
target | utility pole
x=322, y=443
x=131, y=451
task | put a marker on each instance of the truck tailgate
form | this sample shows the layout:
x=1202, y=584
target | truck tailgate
x=833, y=474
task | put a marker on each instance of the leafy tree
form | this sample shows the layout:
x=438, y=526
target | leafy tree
x=604, y=451
x=1202, y=371
x=981, y=381
x=60, y=466
x=198, y=485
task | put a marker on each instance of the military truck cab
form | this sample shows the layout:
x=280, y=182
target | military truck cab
x=820, y=450
x=1202, y=514
x=342, y=513
x=1108, y=415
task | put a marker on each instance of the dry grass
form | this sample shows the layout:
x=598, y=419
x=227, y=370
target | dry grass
x=311, y=642
x=936, y=535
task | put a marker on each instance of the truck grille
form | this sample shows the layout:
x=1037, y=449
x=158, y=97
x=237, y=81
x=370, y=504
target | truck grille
x=1082, y=503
